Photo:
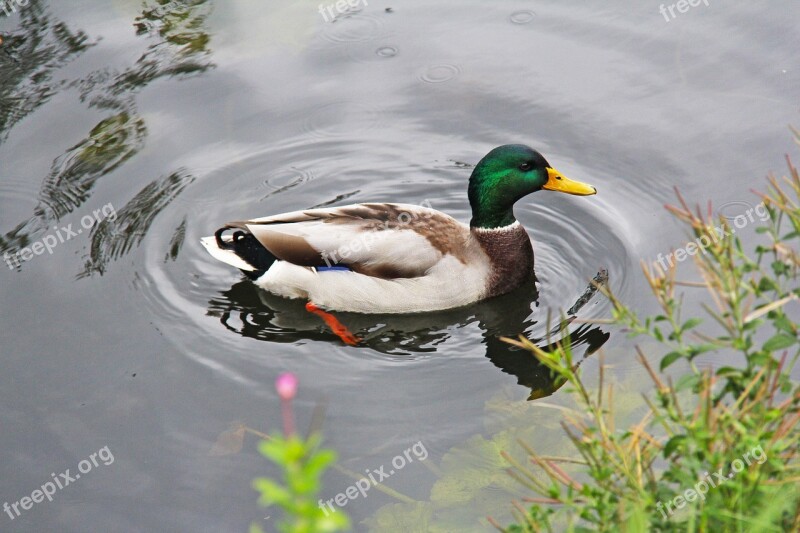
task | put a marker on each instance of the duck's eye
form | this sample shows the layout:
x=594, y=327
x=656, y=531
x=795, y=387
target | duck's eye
x=525, y=167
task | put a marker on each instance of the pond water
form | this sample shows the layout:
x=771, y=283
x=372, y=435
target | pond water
x=131, y=129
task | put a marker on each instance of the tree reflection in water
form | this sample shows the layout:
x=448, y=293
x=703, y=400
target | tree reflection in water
x=42, y=46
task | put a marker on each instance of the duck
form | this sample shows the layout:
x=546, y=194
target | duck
x=398, y=258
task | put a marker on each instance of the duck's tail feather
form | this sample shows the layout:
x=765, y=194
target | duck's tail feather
x=239, y=249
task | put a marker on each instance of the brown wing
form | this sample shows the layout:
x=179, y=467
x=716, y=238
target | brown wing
x=381, y=240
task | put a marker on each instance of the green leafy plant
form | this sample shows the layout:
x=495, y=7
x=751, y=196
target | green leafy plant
x=303, y=462
x=698, y=431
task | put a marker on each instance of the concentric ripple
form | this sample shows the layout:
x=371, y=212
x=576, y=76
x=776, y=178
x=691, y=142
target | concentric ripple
x=353, y=28
x=440, y=73
x=387, y=51
x=731, y=210
x=215, y=315
x=288, y=178
x=522, y=17
x=340, y=119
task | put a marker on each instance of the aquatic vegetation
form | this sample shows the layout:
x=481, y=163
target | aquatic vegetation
x=470, y=478
x=717, y=449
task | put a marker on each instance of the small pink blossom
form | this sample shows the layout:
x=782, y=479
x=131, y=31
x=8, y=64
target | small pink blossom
x=286, y=385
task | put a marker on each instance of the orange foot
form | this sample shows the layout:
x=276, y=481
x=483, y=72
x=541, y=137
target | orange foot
x=339, y=329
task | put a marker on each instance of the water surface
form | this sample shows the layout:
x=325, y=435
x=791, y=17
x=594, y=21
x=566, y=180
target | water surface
x=183, y=115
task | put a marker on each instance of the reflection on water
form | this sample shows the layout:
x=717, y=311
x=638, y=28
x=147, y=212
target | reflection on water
x=111, y=239
x=33, y=53
x=181, y=46
x=40, y=47
x=251, y=312
x=112, y=142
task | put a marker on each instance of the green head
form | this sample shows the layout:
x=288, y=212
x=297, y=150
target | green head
x=505, y=175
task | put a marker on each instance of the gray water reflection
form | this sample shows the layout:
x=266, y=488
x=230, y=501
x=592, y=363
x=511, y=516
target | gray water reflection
x=181, y=49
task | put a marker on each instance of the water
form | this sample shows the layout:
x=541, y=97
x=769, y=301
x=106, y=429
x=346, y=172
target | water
x=185, y=116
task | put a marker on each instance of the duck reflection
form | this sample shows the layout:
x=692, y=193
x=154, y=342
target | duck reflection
x=251, y=312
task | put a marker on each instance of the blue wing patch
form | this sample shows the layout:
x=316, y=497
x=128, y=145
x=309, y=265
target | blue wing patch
x=331, y=268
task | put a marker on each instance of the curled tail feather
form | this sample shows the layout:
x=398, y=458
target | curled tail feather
x=239, y=249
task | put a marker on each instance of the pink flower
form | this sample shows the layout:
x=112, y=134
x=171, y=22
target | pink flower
x=286, y=385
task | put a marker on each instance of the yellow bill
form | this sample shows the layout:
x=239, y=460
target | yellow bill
x=557, y=182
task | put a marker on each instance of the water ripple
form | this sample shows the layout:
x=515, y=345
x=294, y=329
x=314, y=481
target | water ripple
x=440, y=73
x=731, y=210
x=287, y=178
x=387, y=51
x=355, y=28
x=522, y=17
x=340, y=119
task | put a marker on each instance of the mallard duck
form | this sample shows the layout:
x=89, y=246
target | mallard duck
x=399, y=258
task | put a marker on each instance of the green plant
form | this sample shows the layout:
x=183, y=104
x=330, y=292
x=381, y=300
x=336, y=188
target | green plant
x=704, y=426
x=303, y=463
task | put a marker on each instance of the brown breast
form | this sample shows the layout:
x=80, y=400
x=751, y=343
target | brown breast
x=511, y=255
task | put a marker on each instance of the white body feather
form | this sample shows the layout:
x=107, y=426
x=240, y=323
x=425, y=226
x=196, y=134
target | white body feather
x=448, y=284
